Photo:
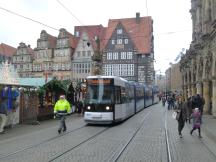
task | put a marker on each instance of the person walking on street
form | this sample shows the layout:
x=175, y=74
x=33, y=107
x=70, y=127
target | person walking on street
x=3, y=114
x=181, y=115
x=61, y=109
x=199, y=102
x=163, y=100
x=196, y=116
x=189, y=108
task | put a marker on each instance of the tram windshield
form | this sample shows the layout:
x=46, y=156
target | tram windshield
x=99, y=94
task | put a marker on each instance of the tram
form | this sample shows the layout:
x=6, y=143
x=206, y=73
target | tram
x=111, y=99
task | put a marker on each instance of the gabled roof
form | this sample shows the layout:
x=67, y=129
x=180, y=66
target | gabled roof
x=29, y=49
x=92, y=31
x=7, y=50
x=72, y=40
x=140, y=32
x=51, y=39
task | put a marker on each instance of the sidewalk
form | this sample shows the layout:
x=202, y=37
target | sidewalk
x=209, y=127
x=23, y=129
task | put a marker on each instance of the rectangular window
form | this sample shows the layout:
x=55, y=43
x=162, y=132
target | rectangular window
x=129, y=55
x=123, y=55
x=89, y=53
x=126, y=41
x=109, y=56
x=83, y=53
x=77, y=34
x=109, y=69
x=78, y=54
x=119, y=31
x=115, y=56
x=113, y=41
x=119, y=41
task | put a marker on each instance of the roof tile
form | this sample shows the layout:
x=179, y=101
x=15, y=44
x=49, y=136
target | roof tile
x=140, y=33
x=7, y=50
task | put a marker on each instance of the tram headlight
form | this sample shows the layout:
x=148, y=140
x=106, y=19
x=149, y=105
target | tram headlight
x=107, y=108
x=88, y=107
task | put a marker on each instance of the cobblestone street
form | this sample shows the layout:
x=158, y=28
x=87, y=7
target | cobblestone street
x=91, y=143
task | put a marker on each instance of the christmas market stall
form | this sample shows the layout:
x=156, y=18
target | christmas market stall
x=30, y=99
x=16, y=96
x=49, y=94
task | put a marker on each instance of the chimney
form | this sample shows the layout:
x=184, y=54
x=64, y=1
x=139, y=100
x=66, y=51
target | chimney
x=137, y=17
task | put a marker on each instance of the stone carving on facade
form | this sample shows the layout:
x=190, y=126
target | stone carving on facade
x=201, y=54
x=208, y=65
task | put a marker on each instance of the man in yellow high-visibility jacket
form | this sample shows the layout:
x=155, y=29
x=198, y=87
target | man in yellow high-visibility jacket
x=61, y=109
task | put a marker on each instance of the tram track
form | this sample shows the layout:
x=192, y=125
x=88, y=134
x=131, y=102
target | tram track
x=169, y=158
x=2, y=156
x=115, y=157
x=77, y=145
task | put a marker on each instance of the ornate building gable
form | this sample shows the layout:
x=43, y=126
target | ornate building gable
x=63, y=54
x=88, y=50
x=42, y=65
x=22, y=60
x=119, y=54
x=140, y=30
x=84, y=50
x=82, y=59
x=120, y=41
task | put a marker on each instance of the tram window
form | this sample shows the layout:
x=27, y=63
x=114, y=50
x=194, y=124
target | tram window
x=124, y=95
x=107, y=94
x=100, y=94
x=117, y=95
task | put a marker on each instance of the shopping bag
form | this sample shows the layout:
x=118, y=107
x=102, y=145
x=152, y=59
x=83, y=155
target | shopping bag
x=174, y=115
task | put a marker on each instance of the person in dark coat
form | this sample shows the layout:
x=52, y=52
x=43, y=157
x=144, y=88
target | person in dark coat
x=181, y=115
x=189, y=108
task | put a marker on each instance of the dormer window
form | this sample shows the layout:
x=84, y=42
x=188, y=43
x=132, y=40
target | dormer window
x=119, y=31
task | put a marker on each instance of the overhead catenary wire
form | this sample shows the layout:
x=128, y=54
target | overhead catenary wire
x=53, y=28
x=36, y=21
x=69, y=12
x=165, y=33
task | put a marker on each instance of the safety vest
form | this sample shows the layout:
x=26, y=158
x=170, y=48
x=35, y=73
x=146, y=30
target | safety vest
x=62, y=106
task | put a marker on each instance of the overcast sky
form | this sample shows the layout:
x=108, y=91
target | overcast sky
x=172, y=21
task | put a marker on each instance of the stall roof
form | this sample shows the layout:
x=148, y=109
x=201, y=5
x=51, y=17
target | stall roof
x=36, y=82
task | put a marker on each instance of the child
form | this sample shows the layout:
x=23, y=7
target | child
x=196, y=116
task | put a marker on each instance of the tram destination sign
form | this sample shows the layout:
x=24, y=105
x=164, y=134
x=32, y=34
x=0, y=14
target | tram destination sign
x=100, y=81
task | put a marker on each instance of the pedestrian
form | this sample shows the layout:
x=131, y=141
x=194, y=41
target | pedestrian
x=3, y=113
x=15, y=105
x=61, y=109
x=181, y=115
x=196, y=116
x=189, y=108
x=198, y=102
x=163, y=100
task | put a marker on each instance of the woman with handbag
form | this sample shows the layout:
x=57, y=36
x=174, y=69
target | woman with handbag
x=181, y=115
